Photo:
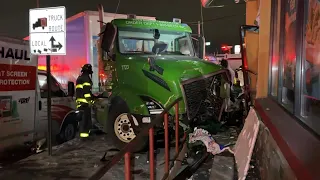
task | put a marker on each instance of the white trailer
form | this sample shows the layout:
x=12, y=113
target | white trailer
x=234, y=60
x=82, y=35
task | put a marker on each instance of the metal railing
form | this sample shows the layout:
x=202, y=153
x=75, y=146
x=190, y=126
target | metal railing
x=147, y=131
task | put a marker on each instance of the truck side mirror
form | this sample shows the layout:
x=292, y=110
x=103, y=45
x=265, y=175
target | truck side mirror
x=108, y=35
x=71, y=90
x=199, y=44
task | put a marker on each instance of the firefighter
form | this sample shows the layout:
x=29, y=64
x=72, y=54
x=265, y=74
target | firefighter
x=224, y=63
x=84, y=99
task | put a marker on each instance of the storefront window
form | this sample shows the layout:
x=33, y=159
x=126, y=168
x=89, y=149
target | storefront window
x=289, y=54
x=311, y=83
x=275, y=49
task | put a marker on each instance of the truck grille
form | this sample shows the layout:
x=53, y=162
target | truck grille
x=195, y=93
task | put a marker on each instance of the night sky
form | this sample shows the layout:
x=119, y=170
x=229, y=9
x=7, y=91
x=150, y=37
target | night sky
x=221, y=24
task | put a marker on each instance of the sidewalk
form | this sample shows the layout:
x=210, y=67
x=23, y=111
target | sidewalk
x=79, y=160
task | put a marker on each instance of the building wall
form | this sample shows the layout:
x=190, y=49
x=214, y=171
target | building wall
x=272, y=163
x=287, y=59
x=252, y=41
x=257, y=45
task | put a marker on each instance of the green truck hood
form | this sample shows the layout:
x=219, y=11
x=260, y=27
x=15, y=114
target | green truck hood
x=178, y=69
x=183, y=68
x=138, y=80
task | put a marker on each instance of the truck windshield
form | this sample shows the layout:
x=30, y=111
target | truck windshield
x=141, y=41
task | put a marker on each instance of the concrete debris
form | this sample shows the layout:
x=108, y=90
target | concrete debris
x=191, y=178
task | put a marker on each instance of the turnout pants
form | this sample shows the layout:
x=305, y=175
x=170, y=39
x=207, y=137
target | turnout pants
x=85, y=123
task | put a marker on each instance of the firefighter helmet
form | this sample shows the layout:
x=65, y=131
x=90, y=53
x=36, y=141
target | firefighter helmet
x=87, y=68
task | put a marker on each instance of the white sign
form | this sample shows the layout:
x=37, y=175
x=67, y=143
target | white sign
x=47, y=30
x=237, y=49
x=233, y=56
x=208, y=43
x=245, y=144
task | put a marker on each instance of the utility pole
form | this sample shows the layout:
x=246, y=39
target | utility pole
x=199, y=29
x=38, y=5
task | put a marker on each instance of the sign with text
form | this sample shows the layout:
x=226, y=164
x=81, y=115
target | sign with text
x=17, y=77
x=47, y=30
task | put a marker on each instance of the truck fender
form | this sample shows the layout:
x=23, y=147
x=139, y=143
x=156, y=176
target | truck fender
x=134, y=102
x=69, y=115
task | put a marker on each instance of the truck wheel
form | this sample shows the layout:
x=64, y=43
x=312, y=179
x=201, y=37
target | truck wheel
x=67, y=132
x=120, y=128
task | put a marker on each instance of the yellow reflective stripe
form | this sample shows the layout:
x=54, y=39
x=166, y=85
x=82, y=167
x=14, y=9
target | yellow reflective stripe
x=79, y=86
x=87, y=95
x=81, y=100
x=86, y=84
x=235, y=80
x=84, y=134
x=78, y=105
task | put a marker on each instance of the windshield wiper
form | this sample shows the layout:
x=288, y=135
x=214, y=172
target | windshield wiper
x=138, y=52
x=175, y=53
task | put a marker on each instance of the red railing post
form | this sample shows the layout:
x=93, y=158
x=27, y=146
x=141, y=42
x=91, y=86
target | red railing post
x=127, y=165
x=177, y=126
x=166, y=143
x=151, y=153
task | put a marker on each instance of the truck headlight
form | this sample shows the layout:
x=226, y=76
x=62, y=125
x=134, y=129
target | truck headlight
x=153, y=106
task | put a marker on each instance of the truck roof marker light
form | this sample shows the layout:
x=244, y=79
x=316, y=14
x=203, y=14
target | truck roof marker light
x=176, y=20
x=131, y=16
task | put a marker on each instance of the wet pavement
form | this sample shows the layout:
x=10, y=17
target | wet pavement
x=80, y=160
x=10, y=156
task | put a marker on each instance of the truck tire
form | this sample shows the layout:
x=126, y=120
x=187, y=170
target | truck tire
x=120, y=129
x=67, y=132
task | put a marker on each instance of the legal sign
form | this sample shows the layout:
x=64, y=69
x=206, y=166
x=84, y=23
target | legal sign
x=47, y=31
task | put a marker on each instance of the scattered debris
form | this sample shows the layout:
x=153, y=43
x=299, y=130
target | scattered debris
x=39, y=144
x=191, y=178
x=212, y=146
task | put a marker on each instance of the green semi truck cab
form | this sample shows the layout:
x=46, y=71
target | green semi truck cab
x=150, y=64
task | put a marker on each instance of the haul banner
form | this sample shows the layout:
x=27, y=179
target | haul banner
x=18, y=72
x=17, y=77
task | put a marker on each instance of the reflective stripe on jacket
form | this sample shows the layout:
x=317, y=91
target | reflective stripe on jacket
x=83, y=90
